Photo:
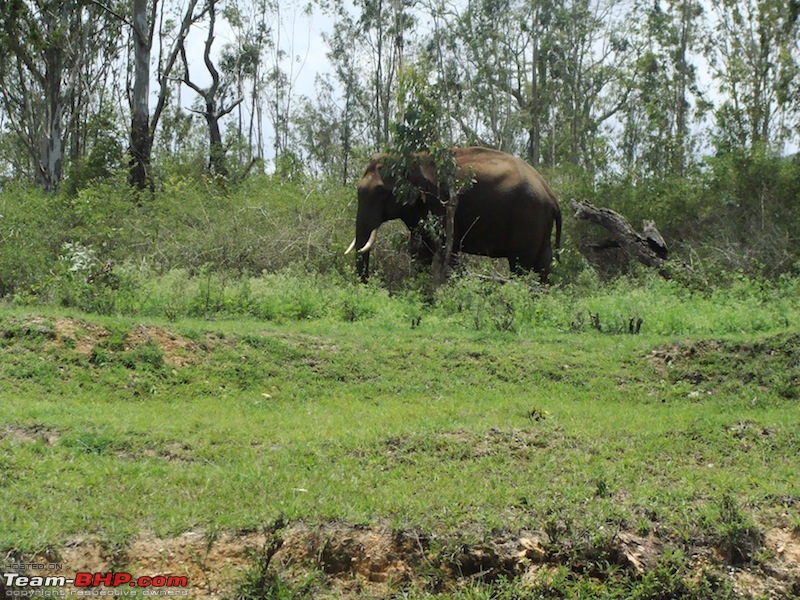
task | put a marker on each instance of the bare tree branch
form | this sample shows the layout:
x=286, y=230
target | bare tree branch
x=112, y=12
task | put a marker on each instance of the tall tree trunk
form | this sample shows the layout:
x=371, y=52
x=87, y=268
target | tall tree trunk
x=217, y=162
x=52, y=153
x=681, y=110
x=141, y=137
x=213, y=96
x=535, y=130
x=443, y=256
x=379, y=139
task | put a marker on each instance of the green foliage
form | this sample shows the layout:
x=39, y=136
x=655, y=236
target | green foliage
x=737, y=216
x=737, y=535
x=104, y=158
x=58, y=249
x=752, y=214
x=28, y=238
x=672, y=577
x=737, y=212
x=419, y=128
x=420, y=144
x=263, y=580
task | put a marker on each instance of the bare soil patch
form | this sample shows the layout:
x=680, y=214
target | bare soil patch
x=83, y=337
x=376, y=561
x=30, y=434
x=178, y=351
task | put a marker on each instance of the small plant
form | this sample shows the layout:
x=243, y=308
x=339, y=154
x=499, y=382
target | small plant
x=630, y=325
x=92, y=442
x=505, y=317
x=262, y=581
x=355, y=306
x=673, y=577
x=737, y=535
x=601, y=487
x=148, y=354
x=27, y=330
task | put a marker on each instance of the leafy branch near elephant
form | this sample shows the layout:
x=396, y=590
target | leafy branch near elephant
x=498, y=206
x=435, y=231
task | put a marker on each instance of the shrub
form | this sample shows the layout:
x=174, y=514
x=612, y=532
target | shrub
x=28, y=239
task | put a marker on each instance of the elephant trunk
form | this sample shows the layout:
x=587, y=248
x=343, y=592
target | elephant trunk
x=362, y=266
x=362, y=256
x=366, y=234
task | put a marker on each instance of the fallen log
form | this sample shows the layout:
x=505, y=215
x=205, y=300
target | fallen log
x=649, y=247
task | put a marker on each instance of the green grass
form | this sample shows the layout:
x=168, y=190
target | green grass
x=457, y=425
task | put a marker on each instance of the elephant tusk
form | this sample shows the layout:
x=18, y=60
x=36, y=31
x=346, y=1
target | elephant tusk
x=351, y=246
x=370, y=242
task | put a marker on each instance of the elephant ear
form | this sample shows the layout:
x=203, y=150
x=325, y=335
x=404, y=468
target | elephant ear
x=422, y=175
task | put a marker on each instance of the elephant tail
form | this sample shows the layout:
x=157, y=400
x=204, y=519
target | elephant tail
x=558, y=226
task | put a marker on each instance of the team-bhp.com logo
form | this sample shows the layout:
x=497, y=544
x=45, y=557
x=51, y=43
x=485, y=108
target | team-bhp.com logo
x=18, y=585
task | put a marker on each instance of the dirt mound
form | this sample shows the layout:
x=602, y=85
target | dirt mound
x=373, y=554
x=30, y=434
x=211, y=563
x=82, y=338
x=178, y=351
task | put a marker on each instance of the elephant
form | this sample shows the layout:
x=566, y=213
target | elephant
x=508, y=211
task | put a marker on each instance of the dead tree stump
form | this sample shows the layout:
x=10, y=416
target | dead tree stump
x=648, y=247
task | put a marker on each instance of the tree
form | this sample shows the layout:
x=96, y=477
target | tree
x=143, y=124
x=418, y=137
x=47, y=51
x=483, y=59
x=755, y=57
x=384, y=26
x=344, y=58
x=324, y=131
x=657, y=138
x=243, y=61
x=141, y=135
x=214, y=97
x=545, y=74
x=333, y=125
x=282, y=72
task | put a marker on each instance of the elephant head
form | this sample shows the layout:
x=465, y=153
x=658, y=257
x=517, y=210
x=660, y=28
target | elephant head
x=381, y=199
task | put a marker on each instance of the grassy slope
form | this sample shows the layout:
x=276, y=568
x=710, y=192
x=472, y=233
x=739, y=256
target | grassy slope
x=440, y=427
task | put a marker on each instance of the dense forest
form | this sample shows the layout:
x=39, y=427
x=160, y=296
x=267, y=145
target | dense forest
x=682, y=111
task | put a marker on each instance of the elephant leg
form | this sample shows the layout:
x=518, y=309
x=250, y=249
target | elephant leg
x=525, y=263
x=544, y=261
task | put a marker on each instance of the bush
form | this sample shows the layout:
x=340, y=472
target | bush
x=191, y=223
x=29, y=240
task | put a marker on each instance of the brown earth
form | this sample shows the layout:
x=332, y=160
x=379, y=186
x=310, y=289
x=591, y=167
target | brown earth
x=83, y=337
x=30, y=433
x=360, y=561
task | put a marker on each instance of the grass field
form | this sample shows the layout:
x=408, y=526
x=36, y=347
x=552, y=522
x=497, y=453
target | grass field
x=480, y=422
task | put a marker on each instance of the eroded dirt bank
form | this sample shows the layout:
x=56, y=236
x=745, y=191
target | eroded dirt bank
x=375, y=562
